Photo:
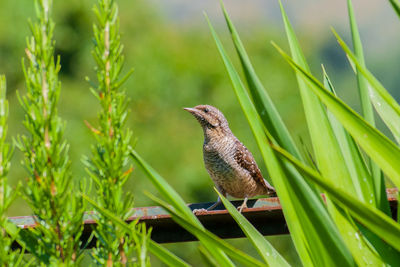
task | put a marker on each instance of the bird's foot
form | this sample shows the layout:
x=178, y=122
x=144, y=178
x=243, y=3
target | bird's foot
x=199, y=211
x=241, y=207
x=244, y=205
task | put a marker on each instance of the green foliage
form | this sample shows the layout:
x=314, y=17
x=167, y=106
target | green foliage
x=329, y=158
x=366, y=104
x=182, y=213
x=384, y=226
x=396, y=6
x=264, y=248
x=108, y=166
x=8, y=232
x=351, y=229
x=49, y=191
x=327, y=246
x=262, y=101
x=163, y=254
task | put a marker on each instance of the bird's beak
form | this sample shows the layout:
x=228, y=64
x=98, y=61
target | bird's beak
x=191, y=110
x=197, y=113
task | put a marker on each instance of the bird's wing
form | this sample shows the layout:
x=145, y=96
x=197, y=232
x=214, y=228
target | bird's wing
x=246, y=160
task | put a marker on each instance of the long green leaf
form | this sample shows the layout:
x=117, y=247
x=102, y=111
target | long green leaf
x=163, y=187
x=204, y=235
x=387, y=113
x=382, y=150
x=359, y=173
x=178, y=203
x=264, y=248
x=386, y=252
x=262, y=101
x=361, y=179
x=362, y=82
x=329, y=156
x=160, y=252
x=384, y=103
x=314, y=235
x=396, y=6
x=207, y=257
x=165, y=255
x=327, y=151
x=373, y=191
x=365, y=97
x=371, y=217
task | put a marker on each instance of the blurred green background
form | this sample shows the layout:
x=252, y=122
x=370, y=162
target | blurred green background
x=177, y=65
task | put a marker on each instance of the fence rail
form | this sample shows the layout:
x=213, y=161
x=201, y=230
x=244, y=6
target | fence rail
x=264, y=213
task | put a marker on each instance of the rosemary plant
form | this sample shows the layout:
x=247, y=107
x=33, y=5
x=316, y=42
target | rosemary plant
x=50, y=193
x=7, y=256
x=109, y=164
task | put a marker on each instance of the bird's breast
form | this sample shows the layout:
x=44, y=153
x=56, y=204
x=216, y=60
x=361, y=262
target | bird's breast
x=218, y=156
x=219, y=160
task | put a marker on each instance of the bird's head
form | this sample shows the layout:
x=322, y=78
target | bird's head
x=209, y=117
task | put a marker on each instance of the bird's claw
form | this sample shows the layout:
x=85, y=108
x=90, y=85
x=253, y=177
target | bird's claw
x=199, y=211
x=241, y=207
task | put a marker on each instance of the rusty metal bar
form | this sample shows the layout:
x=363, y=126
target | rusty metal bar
x=264, y=213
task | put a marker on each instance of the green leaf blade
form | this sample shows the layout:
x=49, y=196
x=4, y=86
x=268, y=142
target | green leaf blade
x=361, y=178
x=359, y=173
x=178, y=203
x=264, y=248
x=369, y=216
x=163, y=187
x=383, y=151
x=305, y=233
x=379, y=94
x=358, y=128
x=329, y=156
x=367, y=95
x=160, y=252
x=396, y=6
x=361, y=81
x=165, y=255
x=262, y=101
x=207, y=237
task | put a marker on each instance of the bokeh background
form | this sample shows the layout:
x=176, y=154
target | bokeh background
x=177, y=65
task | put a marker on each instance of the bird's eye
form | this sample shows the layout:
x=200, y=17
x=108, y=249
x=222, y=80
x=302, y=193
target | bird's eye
x=206, y=110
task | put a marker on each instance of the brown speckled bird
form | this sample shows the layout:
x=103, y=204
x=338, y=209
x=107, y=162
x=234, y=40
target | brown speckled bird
x=231, y=166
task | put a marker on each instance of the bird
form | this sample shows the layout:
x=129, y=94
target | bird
x=229, y=163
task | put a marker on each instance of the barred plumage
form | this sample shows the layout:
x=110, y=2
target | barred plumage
x=230, y=164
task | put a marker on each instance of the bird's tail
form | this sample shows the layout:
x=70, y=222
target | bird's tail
x=269, y=188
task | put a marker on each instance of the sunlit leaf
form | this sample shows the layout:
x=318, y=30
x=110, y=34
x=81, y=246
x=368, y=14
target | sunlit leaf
x=262, y=101
x=264, y=248
x=365, y=98
x=396, y=6
x=179, y=204
x=382, y=150
x=204, y=235
x=371, y=217
x=359, y=172
x=384, y=103
x=316, y=239
x=328, y=154
x=160, y=252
